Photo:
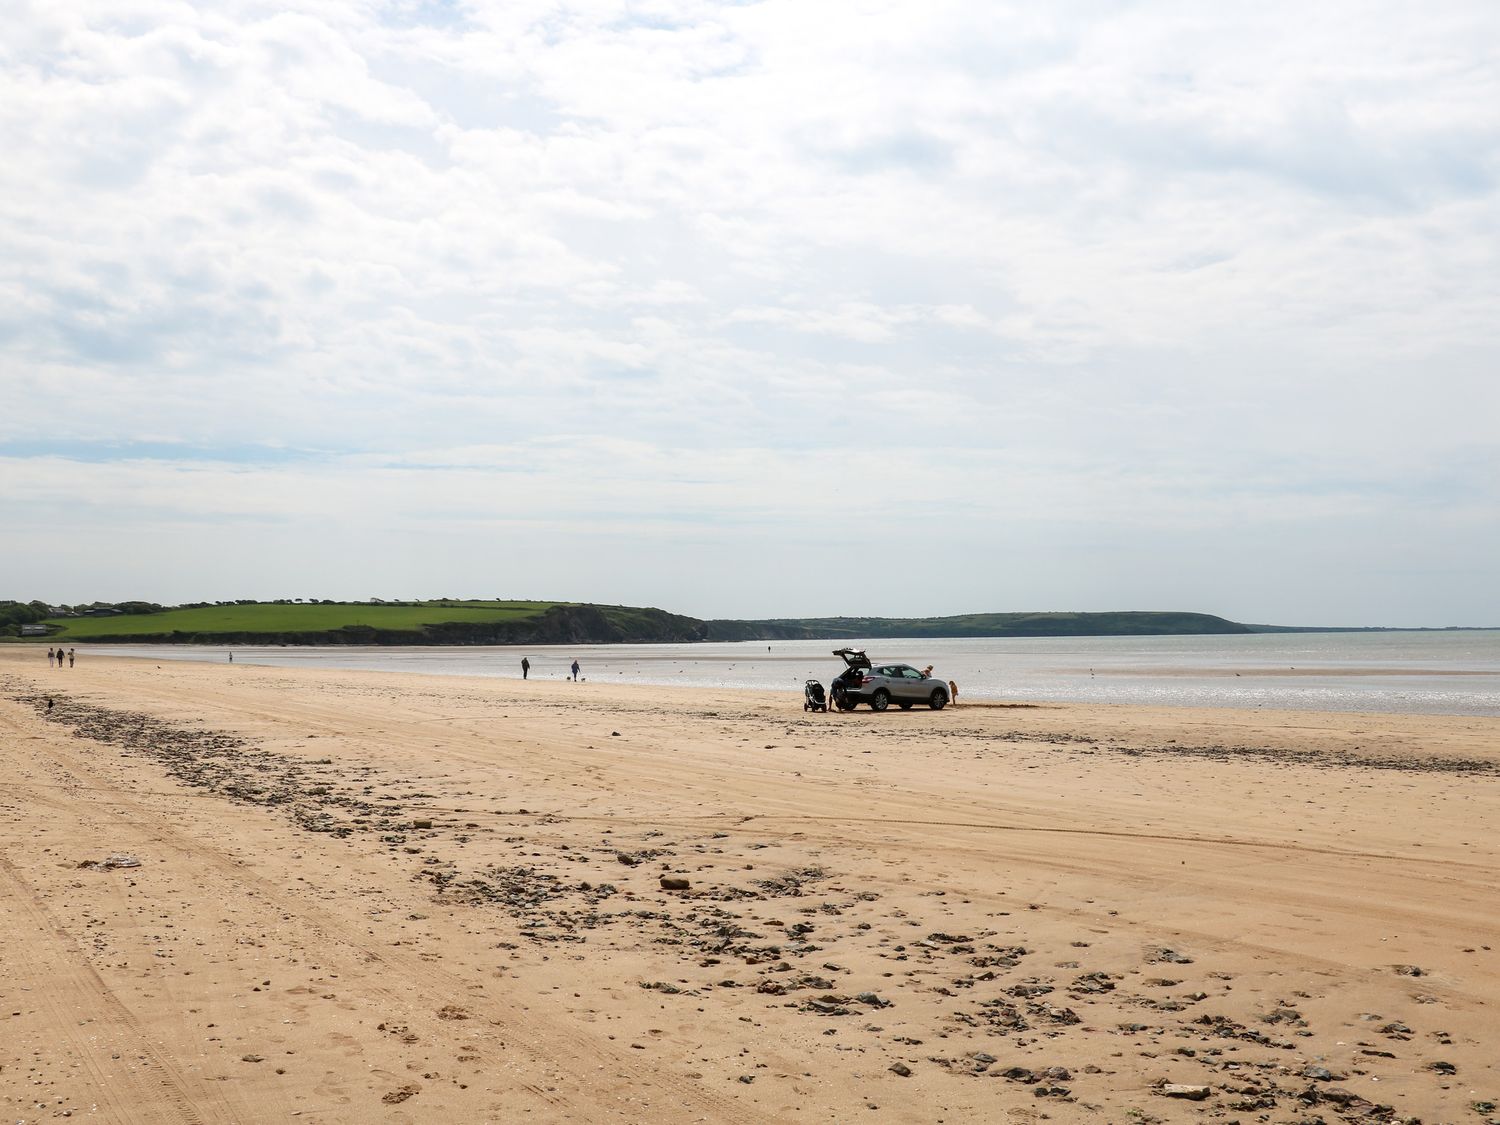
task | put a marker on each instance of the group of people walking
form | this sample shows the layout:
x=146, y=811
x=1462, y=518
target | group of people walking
x=526, y=669
x=57, y=657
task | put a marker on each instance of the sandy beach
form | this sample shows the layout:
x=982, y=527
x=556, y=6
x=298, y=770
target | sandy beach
x=244, y=894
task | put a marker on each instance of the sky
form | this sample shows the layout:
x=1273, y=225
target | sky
x=779, y=308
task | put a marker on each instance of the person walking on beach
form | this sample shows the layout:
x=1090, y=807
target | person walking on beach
x=49, y=658
x=525, y=668
x=72, y=652
x=575, y=671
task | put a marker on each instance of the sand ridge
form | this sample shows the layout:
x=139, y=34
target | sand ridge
x=367, y=896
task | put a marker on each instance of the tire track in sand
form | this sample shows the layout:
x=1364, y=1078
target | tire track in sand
x=66, y=984
x=542, y=1045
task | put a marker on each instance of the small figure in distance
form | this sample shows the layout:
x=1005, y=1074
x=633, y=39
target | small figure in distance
x=575, y=671
x=49, y=657
x=71, y=654
x=525, y=668
x=231, y=658
x=953, y=693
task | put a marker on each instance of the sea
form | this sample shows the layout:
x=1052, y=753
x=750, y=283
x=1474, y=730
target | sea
x=1443, y=672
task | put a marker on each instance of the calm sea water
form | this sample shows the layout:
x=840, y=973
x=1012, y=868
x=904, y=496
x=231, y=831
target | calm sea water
x=1451, y=673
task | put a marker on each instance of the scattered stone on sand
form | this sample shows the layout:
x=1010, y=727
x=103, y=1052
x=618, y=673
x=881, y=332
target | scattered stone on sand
x=110, y=862
x=1179, y=1090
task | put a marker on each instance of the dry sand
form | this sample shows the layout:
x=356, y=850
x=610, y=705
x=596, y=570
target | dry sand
x=367, y=897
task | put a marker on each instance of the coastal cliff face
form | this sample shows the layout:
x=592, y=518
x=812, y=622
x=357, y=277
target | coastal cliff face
x=1120, y=624
x=461, y=621
x=562, y=624
x=596, y=624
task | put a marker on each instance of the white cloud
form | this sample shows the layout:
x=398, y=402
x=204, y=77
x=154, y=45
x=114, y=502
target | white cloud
x=1047, y=264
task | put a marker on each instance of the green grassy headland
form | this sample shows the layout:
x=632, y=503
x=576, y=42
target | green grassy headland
x=270, y=618
x=463, y=621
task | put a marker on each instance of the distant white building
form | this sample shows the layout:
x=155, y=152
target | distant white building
x=37, y=630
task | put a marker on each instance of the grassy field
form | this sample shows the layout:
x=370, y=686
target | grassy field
x=292, y=618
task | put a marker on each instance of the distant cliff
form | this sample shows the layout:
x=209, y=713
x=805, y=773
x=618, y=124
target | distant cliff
x=1118, y=624
x=460, y=622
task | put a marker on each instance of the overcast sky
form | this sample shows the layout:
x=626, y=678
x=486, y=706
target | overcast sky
x=751, y=309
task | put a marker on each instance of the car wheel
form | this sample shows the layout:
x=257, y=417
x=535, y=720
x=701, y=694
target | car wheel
x=939, y=699
x=880, y=700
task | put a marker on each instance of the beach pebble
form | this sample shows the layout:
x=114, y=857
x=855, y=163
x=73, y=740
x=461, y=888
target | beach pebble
x=670, y=883
x=1191, y=1093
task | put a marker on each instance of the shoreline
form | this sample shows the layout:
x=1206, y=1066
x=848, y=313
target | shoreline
x=1350, y=677
x=389, y=889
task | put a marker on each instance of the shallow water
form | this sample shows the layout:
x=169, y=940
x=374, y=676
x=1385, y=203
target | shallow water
x=1439, y=673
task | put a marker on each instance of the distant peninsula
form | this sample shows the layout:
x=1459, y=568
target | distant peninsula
x=456, y=621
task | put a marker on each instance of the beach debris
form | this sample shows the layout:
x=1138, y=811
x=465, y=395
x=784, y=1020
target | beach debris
x=828, y=1005
x=1092, y=983
x=792, y=882
x=1348, y=1102
x=1026, y=991
x=674, y=883
x=900, y=1069
x=110, y=862
x=1161, y=953
x=401, y=1093
x=1179, y=1090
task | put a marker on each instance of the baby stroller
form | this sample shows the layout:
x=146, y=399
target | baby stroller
x=813, y=697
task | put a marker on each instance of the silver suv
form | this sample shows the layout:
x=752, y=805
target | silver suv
x=882, y=685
